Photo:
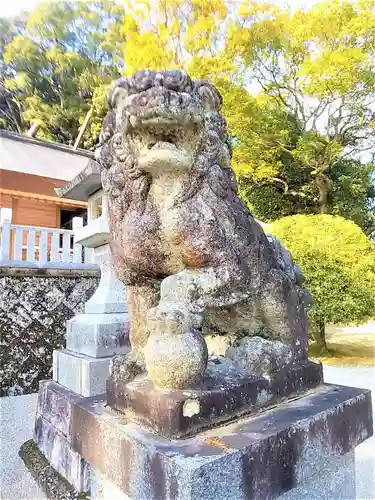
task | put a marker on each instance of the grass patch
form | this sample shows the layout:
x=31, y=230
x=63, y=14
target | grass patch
x=344, y=351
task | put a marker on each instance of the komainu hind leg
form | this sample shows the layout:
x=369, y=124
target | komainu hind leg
x=283, y=314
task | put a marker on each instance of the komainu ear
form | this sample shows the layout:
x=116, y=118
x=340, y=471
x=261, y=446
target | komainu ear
x=210, y=98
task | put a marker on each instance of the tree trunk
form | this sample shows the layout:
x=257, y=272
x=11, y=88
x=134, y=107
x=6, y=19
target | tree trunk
x=33, y=130
x=324, y=184
x=320, y=336
x=83, y=128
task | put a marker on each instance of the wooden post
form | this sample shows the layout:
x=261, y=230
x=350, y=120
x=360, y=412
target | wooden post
x=55, y=246
x=43, y=246
x=33, y=130
x=18, y=243
x=77, y=253
x=83, y=128
x=66, y=247
x=5, y=242
x=30, y=252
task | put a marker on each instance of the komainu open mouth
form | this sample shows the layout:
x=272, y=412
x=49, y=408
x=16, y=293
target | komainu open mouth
x=160, y=135
x=162, y=145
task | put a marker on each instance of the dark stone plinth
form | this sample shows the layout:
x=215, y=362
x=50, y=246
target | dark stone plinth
x=52, y=433
x=255, y=458
x=178, y=413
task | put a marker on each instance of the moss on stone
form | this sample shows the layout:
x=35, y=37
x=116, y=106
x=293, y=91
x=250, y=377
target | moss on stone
x=53, y=485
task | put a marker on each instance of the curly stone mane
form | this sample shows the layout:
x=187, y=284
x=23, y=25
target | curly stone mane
x=192, y=256
x=127, y=185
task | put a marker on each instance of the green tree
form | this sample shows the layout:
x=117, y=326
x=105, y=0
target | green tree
x=338, y=261
x=176, y=33
x=57, y=62
x=10, y=110
x=352, y=195
x=296, y=140
x=317, y=66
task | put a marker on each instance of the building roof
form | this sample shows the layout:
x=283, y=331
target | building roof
x=46, y=159
x=21, y=185
x=46, y=144
x=84, y=184
x=42, y=197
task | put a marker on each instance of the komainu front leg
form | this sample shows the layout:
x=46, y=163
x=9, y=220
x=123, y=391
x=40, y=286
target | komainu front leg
x=176, y=352
x=141, y=298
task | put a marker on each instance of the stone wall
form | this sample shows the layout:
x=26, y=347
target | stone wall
x=34, y=307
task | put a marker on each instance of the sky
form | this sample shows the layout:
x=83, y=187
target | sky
x=12, y=7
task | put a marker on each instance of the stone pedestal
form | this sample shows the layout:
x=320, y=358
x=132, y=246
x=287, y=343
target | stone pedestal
x=92, y=339
x=335, y=481
x=218, y=398
x=284, y=449
x=52, y=434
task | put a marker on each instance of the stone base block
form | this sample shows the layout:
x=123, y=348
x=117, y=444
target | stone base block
x=55, y=405
x=255, y=458
x=178, y=413
x=81, y=374
x=52, y=434
x=98, y=335
x=58, y=451
x=336, y=481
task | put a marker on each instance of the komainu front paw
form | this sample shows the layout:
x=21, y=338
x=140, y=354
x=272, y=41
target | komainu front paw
x=127, y=366
x=172, y=319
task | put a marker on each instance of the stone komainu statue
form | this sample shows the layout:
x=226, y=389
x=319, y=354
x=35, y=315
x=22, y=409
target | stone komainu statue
x=193, y=257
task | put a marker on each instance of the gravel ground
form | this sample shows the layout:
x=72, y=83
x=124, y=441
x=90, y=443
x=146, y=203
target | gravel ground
x=16, y=423
x=363, y=377
x=17, y=417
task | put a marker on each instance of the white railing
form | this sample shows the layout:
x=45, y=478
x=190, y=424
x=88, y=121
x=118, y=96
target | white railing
x=41, y=246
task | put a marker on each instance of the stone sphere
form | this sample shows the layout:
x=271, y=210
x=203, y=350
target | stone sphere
x=176, y=361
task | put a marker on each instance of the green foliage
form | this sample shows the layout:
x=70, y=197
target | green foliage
x=318, y=67
x=298, y=87
x=56, y=61
x=352, y=195
x=175, y=33
x=338, y=261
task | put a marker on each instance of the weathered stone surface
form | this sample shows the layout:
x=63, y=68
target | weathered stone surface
x=53, y=431
x=55, y=405
x=256, y=458
x=58, y=451
x=79, y=373
x=219, y=397
x=53, y=484
x=218, y=345
x=35, y=305
x=258, y=356
x=109, y=297
x=83, y=185
x=176, y=361
x=191, y=253
x=98, y=335
x=93, y=235
x=335, y=481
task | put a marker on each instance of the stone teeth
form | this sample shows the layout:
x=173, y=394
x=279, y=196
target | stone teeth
x=163, y=145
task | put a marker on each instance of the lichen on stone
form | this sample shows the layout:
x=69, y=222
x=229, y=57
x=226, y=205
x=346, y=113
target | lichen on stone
x=193, y=257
